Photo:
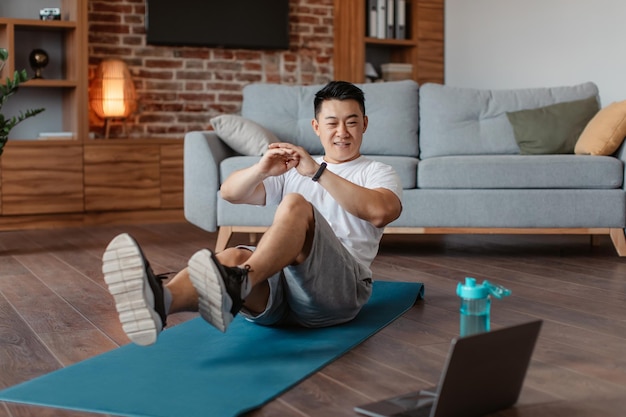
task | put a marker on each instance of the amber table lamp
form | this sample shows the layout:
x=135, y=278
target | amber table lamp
x=112, y=92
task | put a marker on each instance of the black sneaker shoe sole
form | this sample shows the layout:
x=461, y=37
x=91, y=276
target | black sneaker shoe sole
x=214, y=303
x=125, y=274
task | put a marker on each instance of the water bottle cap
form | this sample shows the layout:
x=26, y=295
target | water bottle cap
x=471, y=290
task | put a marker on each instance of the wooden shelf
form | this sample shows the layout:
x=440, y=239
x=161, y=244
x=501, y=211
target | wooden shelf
x=38, y=24
x=390, y=42
x=63, y=90
x=423, y=48
x=45, y=83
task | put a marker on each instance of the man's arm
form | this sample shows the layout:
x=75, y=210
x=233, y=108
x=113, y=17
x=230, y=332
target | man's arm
x=246, y=186
x=378, y=206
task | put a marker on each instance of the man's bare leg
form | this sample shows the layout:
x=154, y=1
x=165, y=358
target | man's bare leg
x=142, y=300
x=288, y=241
x=222, y=289
x=184, y=294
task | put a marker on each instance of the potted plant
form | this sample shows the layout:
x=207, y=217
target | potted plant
x=7, y=89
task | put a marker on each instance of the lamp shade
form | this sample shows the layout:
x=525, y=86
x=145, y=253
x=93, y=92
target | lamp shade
x=112, y=92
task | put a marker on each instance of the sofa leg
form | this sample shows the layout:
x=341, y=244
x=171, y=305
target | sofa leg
x=595, y=240
x=619, y=241
x=223, y=237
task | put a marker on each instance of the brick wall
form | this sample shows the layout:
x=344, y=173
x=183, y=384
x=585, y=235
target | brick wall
x=180, y=88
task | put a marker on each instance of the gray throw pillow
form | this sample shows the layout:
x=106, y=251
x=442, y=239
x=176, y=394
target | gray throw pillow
x=552, y=129
x=242, y=135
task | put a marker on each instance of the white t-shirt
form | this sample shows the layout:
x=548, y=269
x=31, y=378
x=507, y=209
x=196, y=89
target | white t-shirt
x=360, y=237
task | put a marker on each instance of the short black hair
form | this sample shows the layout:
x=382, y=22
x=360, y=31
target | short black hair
x=339, y=90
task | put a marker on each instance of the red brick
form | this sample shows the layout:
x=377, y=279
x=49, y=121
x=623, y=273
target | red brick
x=132, y=40
x=156, y=118
x=163, y=63
x=109, y=28
x=194, y=86
x=147, y=74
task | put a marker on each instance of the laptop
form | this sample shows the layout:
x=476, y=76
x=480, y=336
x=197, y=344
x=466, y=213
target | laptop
x=484, y=373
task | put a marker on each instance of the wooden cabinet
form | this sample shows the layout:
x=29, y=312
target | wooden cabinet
x=423, y=46
x=65, y=183
x=133, y=175
x=172, y=174
x=119, y=177
x=42, y=179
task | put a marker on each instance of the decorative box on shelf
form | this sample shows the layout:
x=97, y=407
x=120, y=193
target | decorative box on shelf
x=397, y=71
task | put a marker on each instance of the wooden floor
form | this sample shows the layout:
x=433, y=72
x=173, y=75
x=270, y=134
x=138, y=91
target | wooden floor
x=54, y=311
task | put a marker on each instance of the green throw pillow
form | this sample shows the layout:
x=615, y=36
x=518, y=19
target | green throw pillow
x=552, y=129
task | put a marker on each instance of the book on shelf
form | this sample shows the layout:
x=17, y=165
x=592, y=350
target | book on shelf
x=372, y=18
x=55, y=135
x=386, y=19
x=391, y=19
x=400, y=19
x=381, y=21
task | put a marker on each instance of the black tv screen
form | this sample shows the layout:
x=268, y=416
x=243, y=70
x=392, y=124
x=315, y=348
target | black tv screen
x=249, y=24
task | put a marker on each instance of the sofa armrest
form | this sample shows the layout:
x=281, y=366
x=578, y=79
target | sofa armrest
x=204, y=151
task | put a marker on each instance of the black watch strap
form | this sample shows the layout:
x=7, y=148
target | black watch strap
x=319, y=172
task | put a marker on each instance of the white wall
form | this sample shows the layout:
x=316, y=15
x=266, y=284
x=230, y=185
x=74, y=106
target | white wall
x=536, y=43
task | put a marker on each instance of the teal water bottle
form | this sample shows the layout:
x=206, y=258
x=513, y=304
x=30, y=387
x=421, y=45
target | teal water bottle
x=476, y=304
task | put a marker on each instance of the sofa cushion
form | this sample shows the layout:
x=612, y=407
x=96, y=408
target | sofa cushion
x=235, y=163
x=466, y=121
x=406, y=167
x=512, y=208
x=392, y=109
x=229, y=214
x=552, y=129
x=520, y=172
x=605, y=132
x=242, y=135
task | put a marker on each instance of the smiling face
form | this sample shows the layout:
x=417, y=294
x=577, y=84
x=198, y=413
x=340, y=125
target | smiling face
x=340, y=124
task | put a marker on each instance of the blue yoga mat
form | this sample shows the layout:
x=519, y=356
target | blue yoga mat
x=195, y=370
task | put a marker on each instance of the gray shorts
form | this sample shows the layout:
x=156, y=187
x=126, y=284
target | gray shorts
x=330, y=287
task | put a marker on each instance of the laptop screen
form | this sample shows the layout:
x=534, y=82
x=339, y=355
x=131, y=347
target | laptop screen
x=485, y=372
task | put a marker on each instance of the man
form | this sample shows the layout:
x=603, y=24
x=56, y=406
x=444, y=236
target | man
x=310, y=268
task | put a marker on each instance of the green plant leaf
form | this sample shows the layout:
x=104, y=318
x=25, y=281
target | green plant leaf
x=7, y=89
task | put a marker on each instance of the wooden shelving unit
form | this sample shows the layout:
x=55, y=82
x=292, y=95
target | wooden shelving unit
x=45, y=177
x=65, y=77
x=423, y=47
x=72, y=182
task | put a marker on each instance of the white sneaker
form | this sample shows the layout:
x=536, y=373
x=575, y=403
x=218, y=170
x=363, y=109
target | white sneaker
x=220, y=288
x=137, y=291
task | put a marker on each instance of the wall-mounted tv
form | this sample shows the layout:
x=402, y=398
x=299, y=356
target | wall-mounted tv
x=248, y=24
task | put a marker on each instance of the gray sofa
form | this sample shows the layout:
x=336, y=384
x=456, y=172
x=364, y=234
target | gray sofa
x=455, y=151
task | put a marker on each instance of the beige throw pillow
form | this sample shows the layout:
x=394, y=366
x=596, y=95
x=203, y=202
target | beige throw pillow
x=243, y=135
x=605, y=132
